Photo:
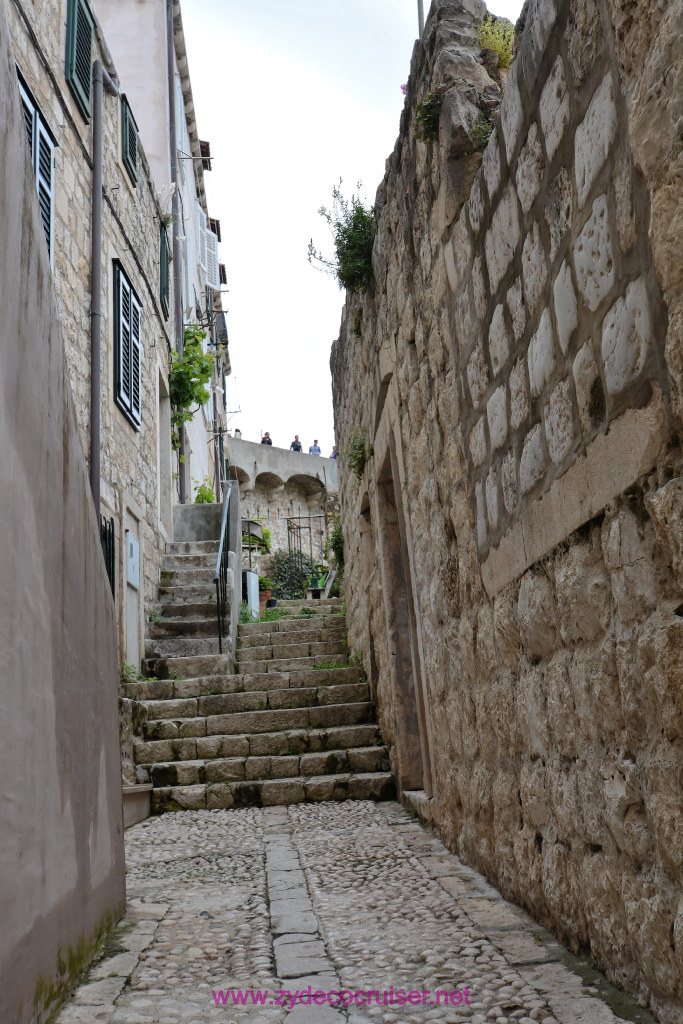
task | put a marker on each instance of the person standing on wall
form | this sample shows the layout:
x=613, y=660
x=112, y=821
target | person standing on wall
x=334, y=453
x=265, y=438
x=295, y=446
x=315, y=448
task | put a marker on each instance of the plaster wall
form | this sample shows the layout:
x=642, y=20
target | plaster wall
x=519, y=375
x=62, y=881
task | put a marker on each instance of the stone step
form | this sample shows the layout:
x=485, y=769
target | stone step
x=185, y=626
x=208, y=685
x=328, y=602
x=249, y=769
x=185, y=667
x=274, y=792
x=198, y=592
x=173, y=562
x=189, y=609
x=273, y=744
x=181, y=646
x=186, y=577
x=235, y=723
x=318, y=633
x=252, y=700
x=283, y=647
x=193, y=547
x=291, y=664
x=248, y=629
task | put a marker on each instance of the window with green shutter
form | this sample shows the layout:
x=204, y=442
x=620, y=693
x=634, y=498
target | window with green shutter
x=129, y=141
x=42, y=148
x=163, y=270
x=127, y=348
x=80, y=29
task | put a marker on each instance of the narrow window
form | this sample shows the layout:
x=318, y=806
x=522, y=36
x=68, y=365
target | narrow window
x=42, y=150
x=213, y=278
x=163, y=270
x=201, y=237
x=127, y=381
x=129, y=141
x=79, y=39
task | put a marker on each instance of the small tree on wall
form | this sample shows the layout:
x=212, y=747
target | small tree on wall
x=353, y=231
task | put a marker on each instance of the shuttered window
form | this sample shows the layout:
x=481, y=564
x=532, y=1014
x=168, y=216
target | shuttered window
x=127, y=348
x=129, y=141
x=79, y=39
x=213, y=275
x=163, y=270
x=42, y=149
x=201, y=237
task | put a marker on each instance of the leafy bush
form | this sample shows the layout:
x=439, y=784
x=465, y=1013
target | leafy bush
x=353, y=231
x=187, y=380
x=497, y=34
x=479, y=130
x=246, y=615
x=265, y=583
x=428, y=115
x=336, y=545
x=205, y=493
x=290, y=574
x=358, y=451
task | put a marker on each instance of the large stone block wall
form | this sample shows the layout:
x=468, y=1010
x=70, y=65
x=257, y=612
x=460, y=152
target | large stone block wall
x=518, y=372
x=130, y=459
x=62, y=873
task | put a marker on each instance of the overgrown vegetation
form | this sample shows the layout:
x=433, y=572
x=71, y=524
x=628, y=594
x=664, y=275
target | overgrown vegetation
x=188, y=378
x=204, y=493
x=336, y=545
x=290, y=575
x=353, y=232
x=497, y=34
x=129, y=674
x=428, y=115
x=479, y=129
x=357, y=324
x=358, y=451
x=265, y=583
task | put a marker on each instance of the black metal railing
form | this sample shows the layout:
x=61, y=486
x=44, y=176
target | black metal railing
x=109, y=549
x=221, y=576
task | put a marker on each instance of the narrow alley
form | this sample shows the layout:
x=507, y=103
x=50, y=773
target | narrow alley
x=348, y=898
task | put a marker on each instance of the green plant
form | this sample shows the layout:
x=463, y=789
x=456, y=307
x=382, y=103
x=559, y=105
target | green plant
x=331, y=664
x=290, y=574
x=358, y=451
x=428, y=115
x=356, y=327
x=246, y=615
x=479, y=129
x=265, y=583
x=205, y=493
x=187, y=379
x=273, y=614
x=155, y=615
x=356, y=659
x=128, y=673
x=341, y=610
x=306, y=613
x=353, y=232
x=497, y=34
x=336, y=544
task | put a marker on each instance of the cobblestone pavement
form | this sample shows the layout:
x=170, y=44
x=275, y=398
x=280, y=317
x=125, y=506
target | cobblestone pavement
x=350, y=896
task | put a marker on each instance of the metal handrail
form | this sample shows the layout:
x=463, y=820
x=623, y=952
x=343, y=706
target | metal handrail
x=220, y=578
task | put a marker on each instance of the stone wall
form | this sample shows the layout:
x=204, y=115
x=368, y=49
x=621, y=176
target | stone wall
x=513, y=551
x=62, y=880
x=135, y=465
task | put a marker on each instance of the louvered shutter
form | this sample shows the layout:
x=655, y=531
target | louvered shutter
x=45, y=180
x=129, y=140
x=124, y=343
x=135, y=368
x=201, y=233
x=29, y=111
x=213, y=277
x=79, y=39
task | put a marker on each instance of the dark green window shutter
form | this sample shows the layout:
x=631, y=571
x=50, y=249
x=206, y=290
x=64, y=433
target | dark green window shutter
x=163, y=270
x=127, y=348
x=129, y=141
x=80, y=29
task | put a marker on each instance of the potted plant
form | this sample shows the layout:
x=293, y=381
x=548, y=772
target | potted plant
x=265, y=590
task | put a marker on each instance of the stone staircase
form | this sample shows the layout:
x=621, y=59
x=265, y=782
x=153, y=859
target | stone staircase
x=280, y=731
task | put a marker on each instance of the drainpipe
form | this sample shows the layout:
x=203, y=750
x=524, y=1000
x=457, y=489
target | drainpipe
x=177, y=282
x=101, y=79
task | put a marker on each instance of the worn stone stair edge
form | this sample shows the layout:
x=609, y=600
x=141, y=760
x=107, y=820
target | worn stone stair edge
x=275, y=792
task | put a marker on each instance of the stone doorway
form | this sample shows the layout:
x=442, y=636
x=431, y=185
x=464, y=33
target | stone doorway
x=414, y=769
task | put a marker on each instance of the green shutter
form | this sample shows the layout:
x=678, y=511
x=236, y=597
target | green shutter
x=79, y=39
x=129, y=141
x=163, y=270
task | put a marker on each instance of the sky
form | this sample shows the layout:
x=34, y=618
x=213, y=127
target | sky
x=292, y=95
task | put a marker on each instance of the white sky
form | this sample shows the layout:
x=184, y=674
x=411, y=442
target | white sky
x=292, y=95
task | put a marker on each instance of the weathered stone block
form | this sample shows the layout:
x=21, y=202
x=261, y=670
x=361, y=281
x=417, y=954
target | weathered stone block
x=533, y=461
x=519, y=398
x=491, y=166
x=509, y=482
x=228, y=770
x=476, y=205
x=589, y=395
x=502, y=237
x=594, y=256
x=540, y=18
x=496, y=413
x=559, y=423
x=482, y=530
x=492, y=498
x=626, y=337
x=554, y=107
x=515, y=298
x=558, y=210
x=541, y=355
x=499, y=342
x=478, y=288
x=583, y=596
x=478, y=447
x=534, y=267
x=594, y=136
x=537, y=615
x=566, y=310
x=511, y=113
x=477, y=376
x=585, y=38
x=530, y=168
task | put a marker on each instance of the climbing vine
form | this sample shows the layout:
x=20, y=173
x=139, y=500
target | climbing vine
x=188, y=379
